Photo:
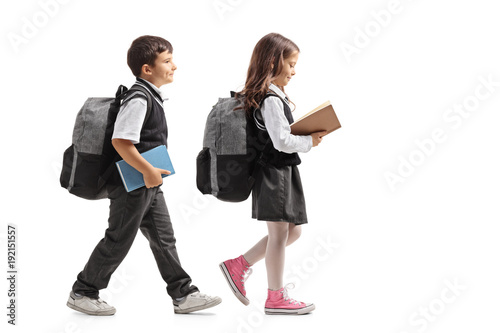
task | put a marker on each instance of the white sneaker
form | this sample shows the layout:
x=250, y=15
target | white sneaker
x=90, y=306
x=195, y=302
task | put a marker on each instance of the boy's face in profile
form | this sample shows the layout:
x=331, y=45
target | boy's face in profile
x=162, y=72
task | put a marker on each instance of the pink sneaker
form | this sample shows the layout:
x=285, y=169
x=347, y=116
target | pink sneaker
x=278, y=302
x=234, y=271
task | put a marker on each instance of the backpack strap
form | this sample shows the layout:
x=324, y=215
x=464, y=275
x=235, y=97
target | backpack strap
x=261, y=160
x=121, y=97
x=257, y=115
x=124, y=96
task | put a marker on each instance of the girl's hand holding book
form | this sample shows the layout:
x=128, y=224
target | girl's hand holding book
x=317, y=137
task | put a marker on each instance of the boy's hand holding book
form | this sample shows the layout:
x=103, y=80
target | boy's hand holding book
x=153, y=178
x=147, y=169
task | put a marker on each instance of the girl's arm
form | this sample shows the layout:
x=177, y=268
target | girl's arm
x=279, y=129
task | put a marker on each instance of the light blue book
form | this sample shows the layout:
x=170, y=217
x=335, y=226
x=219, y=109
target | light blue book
x=133, y=179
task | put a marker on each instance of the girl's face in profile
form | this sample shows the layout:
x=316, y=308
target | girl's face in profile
x=288, y=70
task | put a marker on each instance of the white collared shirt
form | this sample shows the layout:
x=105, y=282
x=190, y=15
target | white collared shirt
x=278, y=127
x=130, y=118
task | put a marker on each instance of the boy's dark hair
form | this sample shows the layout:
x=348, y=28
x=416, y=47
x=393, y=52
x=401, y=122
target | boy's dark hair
x=144, y=50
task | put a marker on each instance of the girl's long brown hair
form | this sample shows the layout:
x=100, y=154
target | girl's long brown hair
x=265, y=65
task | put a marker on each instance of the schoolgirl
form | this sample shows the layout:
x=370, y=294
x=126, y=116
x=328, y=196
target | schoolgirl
x=277, y=196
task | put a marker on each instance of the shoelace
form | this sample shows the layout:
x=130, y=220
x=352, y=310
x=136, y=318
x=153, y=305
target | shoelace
x=245, y=275
x=285, y=294
x=202, y=295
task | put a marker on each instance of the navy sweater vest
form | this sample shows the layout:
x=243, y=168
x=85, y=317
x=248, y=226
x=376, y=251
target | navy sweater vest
x=278, y=158
x=154, y=132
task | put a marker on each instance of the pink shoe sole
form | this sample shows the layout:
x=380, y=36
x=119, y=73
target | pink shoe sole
x=233, y=287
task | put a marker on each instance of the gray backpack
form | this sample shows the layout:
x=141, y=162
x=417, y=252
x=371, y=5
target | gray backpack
x=233, y=152
x=89, y=161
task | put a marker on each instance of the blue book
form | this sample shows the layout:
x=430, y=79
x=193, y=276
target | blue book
x=133, y=179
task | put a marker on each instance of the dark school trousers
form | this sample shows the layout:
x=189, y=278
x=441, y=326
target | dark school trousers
x=143, y=209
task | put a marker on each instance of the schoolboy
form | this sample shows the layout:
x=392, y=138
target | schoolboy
x=150, y=59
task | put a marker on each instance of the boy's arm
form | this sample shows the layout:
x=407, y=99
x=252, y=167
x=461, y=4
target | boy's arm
x=130, y=154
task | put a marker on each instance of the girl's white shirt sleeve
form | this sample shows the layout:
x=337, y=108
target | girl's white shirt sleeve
x=279, y=131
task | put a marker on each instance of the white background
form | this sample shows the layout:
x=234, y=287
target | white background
x=397, y=251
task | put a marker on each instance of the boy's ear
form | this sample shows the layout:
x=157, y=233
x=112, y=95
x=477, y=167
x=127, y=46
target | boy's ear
x=146, y=69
